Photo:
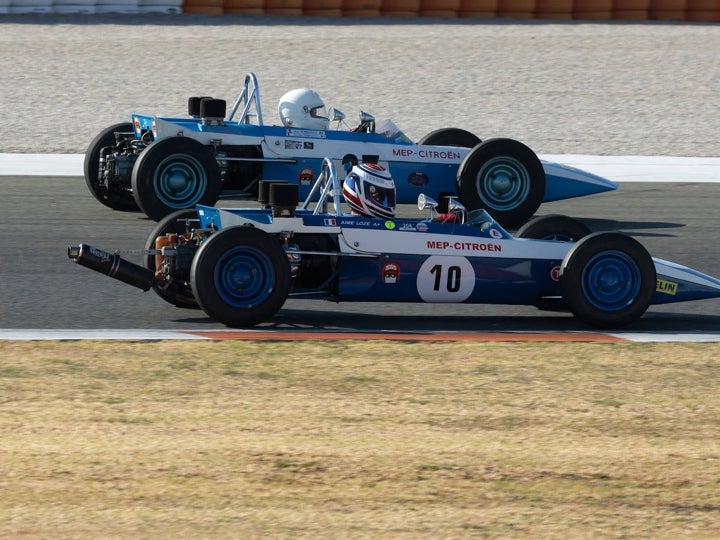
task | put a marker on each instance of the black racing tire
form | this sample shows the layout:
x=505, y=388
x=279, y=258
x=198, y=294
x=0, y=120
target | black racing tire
x=177, y=294
x=115, y=198
x=241, y=276
x=554, y=227
x=504, y=177
x=450, y=137
x=558, y=228
x=175, y=173
x=608, y=280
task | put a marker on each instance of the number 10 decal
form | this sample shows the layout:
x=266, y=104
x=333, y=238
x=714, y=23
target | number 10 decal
x=445, y=279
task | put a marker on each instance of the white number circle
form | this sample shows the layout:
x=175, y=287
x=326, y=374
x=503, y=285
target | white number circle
x=445, y=279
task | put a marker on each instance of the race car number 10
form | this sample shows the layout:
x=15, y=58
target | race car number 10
x=445, y=279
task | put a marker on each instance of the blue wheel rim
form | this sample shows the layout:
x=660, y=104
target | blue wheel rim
x=244, y=277
x=611, y=280
x=180, y=181
x=503, y=182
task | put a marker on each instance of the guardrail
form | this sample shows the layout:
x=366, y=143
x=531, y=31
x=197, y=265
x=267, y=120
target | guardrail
x=633, y=10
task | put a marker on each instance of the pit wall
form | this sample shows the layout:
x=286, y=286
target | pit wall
x=628, y=10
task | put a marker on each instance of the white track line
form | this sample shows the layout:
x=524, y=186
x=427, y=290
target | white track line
x=617, y=168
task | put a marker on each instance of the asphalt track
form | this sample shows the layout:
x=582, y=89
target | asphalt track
x=42, y=289
x=645, y=89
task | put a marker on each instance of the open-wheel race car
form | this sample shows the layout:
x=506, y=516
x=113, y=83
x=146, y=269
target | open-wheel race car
x=241, y=264
x=161, y=165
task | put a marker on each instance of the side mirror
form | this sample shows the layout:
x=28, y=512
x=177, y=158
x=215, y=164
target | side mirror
x=426, y=203
x=336, y=115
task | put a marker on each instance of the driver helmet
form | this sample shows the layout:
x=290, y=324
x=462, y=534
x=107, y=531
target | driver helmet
x=370, y=191
x=303, y=108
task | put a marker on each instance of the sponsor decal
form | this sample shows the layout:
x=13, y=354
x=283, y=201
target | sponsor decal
x=305, y=133
x=308, y=145
x=406, y=227
x=555, y=273
x=440, y=155
x=666, y=287
x=391, y=273
x=306, y=176
x=495, y=233
x=463, y=246
x=422, y=227
x=390, y=225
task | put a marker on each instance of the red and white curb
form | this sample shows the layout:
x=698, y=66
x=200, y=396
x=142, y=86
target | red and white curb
x=296, y=335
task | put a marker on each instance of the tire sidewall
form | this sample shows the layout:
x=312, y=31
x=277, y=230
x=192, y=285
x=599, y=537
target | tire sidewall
x=146, y=168
x=580, y=260
x=518, y=155
x=91, y=169
x=246, y=242
x=554, y=227
x=171, y=223
x=450, y=137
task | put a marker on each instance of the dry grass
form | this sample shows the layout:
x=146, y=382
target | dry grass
x=359, y=440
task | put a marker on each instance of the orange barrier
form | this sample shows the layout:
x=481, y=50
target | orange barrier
x=703, y=10
x=400, y=8
x=361, y=8
x=284, y=7
x=632, y=10
x=323, y=8
x=439, y=8
x=484, y=9
x=244, y=7
x=667, y=10
x=516, y=9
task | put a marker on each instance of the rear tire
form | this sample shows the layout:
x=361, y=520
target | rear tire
x=115, y=197
x=177, y=294
x=241, y=276
x=175, y=173
x=608, y=280
x=450, y=137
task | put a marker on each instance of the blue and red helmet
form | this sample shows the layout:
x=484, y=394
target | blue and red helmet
x=370, y=191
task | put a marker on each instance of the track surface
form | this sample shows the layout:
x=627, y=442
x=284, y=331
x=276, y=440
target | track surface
x=563, y=88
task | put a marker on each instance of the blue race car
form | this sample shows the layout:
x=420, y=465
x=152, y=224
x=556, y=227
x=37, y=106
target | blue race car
x=161, y=165
x=241, y=264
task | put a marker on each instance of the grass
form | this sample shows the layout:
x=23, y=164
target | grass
x=352, y=439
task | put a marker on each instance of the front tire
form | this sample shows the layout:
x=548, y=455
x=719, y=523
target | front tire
x=173, y=174
x=554, y=227
x=450, y=137
x=241, y=276
x=113, y=197
x=608, y=280
x=504, y=177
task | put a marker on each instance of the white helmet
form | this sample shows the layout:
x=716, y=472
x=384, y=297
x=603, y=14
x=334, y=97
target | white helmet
x=370, y=190
x=303, y=108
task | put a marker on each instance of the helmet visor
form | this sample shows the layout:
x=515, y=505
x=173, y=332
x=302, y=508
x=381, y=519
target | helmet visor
x=319, y=112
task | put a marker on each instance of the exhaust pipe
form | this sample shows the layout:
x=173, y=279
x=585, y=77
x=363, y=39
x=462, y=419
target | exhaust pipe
x=111, y=264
